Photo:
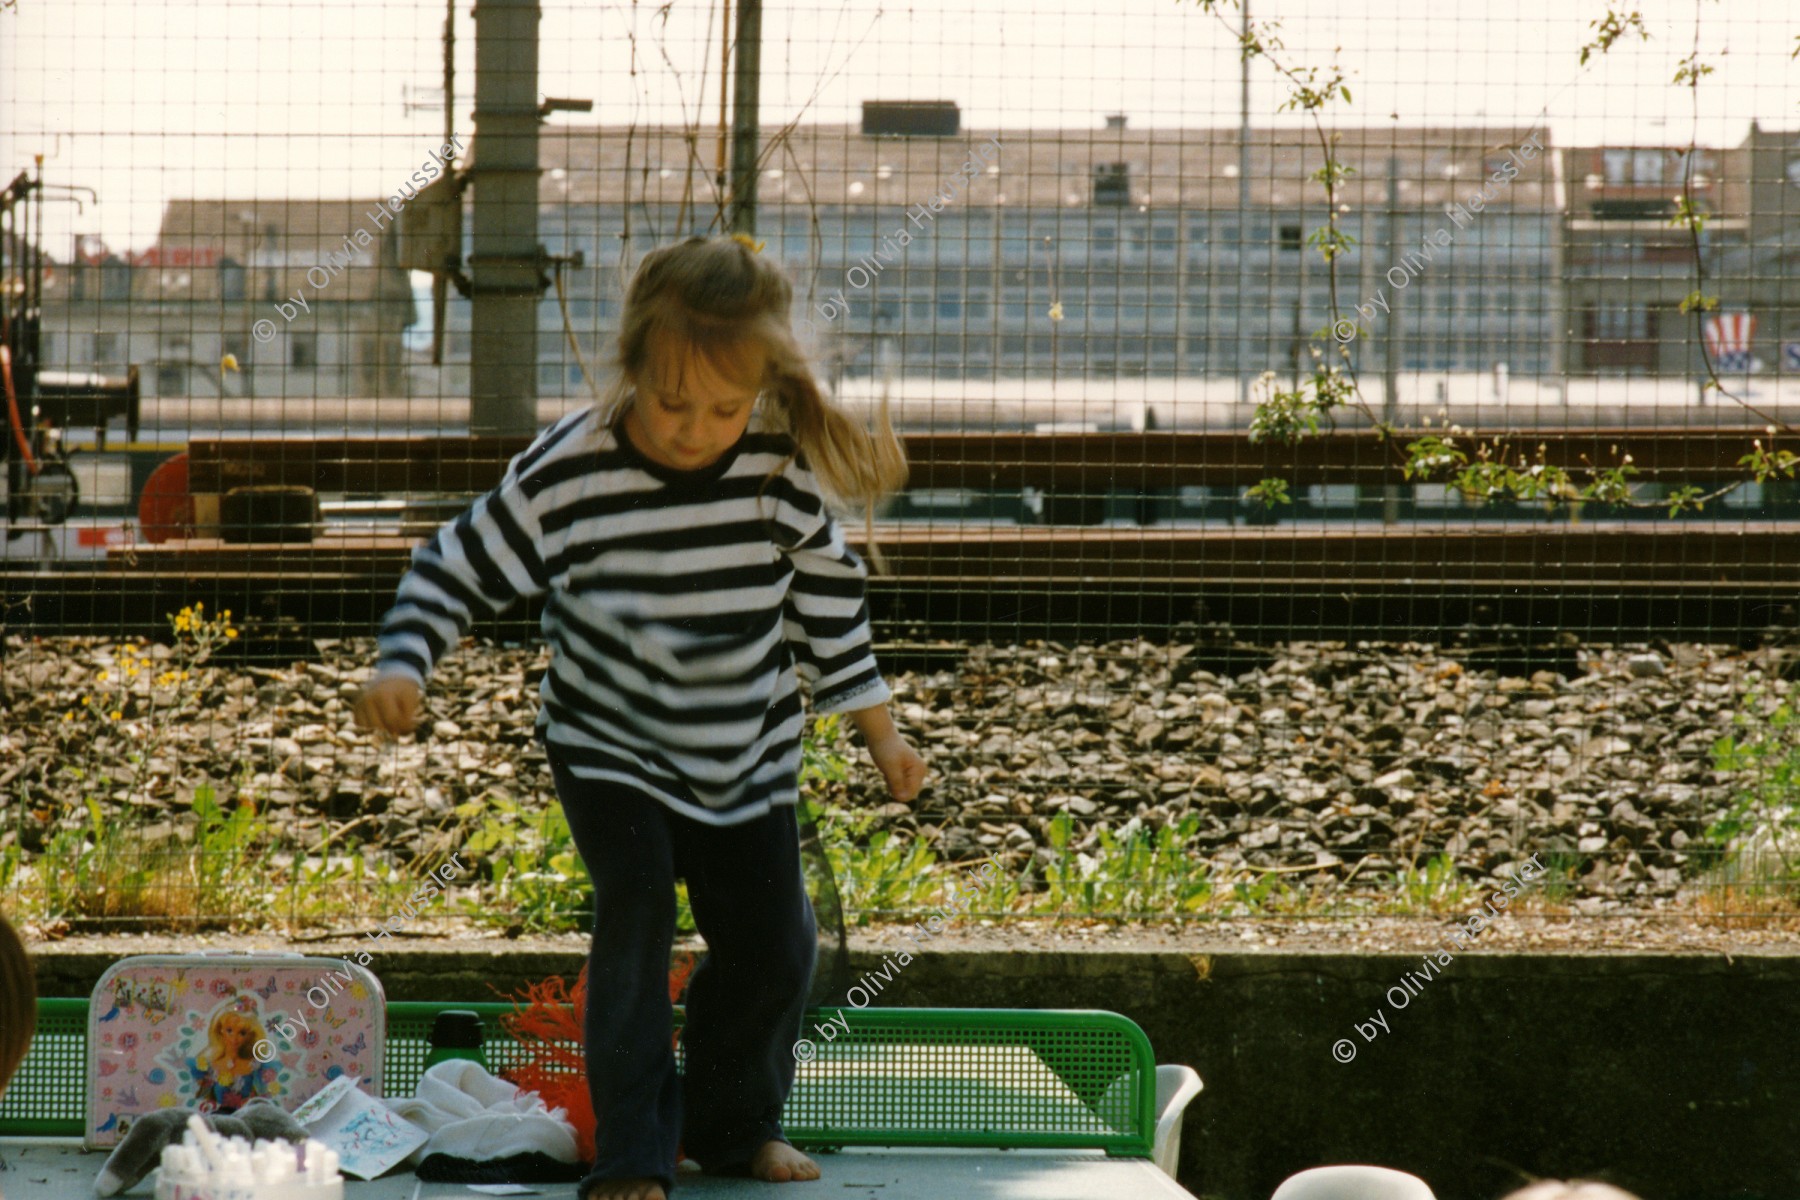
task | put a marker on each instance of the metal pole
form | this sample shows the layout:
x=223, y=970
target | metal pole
x=1390, y=375
x=440, y=280
x=506, y=273
x=719, y=179
x=1558, y=289
x=1243, y=221
x=745, y=134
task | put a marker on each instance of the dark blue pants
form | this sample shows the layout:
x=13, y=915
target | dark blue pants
x=744, y=1001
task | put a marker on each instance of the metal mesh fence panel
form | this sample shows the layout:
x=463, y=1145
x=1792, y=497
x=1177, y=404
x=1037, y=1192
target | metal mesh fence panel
x=1350, y=458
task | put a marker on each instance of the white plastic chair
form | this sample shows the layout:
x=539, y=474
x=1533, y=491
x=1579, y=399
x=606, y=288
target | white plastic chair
x=1353, y=1183
x=1175, y=1086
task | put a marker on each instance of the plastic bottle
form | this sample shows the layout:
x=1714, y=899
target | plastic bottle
x=456, y=1033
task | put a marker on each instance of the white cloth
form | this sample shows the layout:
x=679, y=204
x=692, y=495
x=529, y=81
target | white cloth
x=473, y=1116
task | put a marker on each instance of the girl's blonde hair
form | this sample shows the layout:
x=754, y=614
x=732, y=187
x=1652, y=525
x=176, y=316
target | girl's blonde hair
x=722, y=300
x=18, y=1001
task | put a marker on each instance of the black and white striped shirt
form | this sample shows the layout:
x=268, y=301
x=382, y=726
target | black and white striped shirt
x=677, y=613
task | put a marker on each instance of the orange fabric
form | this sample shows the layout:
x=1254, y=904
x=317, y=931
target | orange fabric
x=549, y=1017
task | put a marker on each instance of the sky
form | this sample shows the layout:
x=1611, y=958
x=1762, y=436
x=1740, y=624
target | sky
x=144, y=101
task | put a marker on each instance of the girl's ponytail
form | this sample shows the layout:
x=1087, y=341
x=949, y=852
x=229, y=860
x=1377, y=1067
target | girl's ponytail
x=858, y=467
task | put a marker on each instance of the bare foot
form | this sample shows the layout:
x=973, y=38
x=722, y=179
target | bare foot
x=626, y=1189
x=779, y=1162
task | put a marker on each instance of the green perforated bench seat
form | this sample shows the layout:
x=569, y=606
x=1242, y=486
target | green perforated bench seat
x=1013, y=1078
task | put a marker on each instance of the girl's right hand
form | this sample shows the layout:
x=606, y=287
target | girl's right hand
x=389, y=706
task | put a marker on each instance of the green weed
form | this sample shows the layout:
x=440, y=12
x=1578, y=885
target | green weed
x=1136, y=872
x=1758, y=834
x=877, y=871
x=1433, y=889
x=1755, y=841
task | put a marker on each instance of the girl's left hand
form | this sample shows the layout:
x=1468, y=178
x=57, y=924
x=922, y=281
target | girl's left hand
x=901, y=765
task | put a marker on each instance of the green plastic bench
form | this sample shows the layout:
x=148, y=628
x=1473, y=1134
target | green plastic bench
x=998, y=1078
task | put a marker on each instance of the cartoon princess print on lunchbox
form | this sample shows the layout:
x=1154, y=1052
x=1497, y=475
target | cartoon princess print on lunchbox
x=225, y=1070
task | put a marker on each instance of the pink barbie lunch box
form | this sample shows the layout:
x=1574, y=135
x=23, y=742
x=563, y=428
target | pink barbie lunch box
x=211, y=1031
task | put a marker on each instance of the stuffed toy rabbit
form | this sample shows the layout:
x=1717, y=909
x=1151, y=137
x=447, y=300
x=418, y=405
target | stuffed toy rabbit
x=140, y=1152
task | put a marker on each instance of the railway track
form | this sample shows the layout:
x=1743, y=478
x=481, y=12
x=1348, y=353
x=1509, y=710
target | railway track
x=1732, y=582
x=1077, y=576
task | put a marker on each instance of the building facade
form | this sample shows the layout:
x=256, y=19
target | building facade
x=302, y=305
x=1105, y=254
x=1113, y=254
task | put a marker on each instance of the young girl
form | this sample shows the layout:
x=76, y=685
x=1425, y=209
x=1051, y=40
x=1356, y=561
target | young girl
x=692, y=569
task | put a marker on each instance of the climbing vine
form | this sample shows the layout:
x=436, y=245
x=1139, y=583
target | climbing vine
x=1489, y=470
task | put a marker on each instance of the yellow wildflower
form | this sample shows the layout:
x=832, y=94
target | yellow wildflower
x=103, y=676
x=231, y=633
x=84, y=701
x=116, y=714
